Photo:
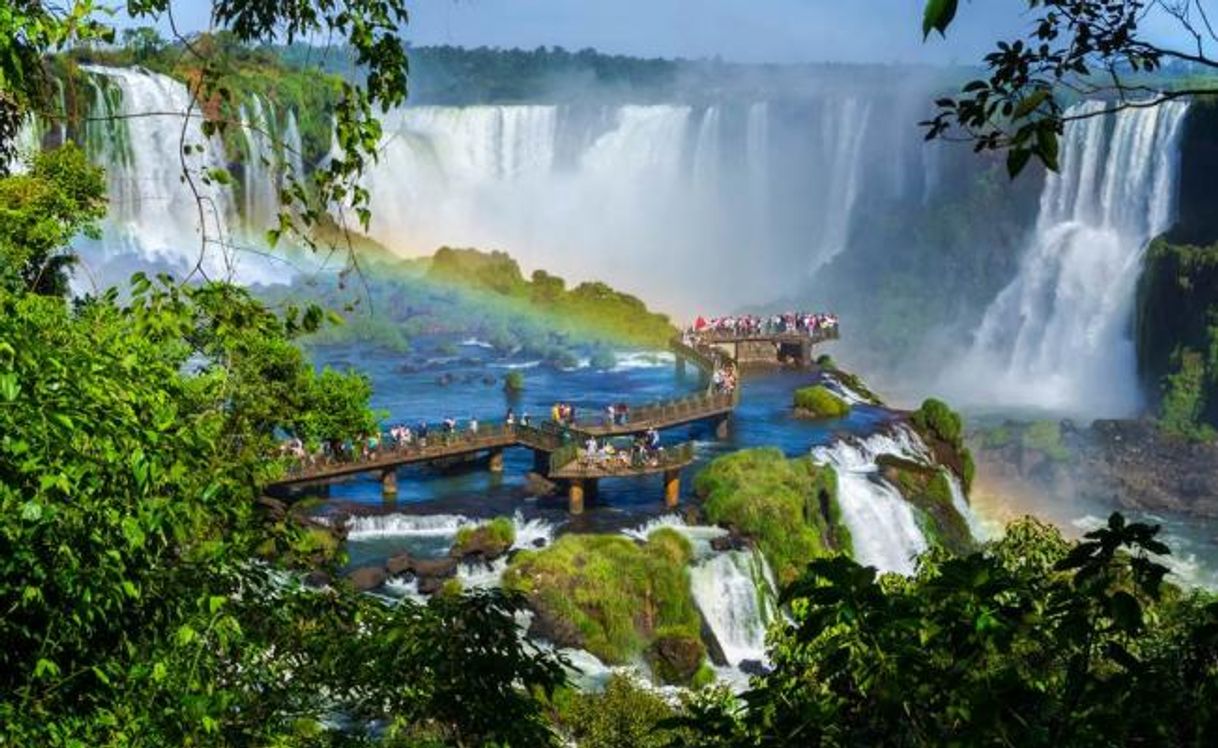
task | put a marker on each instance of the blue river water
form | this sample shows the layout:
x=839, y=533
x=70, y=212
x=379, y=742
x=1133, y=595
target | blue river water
x=427, y=385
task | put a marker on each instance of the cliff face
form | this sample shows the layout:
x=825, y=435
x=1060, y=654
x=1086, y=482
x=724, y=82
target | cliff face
x=1177, y=305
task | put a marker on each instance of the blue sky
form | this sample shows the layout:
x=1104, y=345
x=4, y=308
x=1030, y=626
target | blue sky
x=738, y=30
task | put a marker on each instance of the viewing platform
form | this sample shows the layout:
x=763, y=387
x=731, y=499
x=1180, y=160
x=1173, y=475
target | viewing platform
x=558, y=449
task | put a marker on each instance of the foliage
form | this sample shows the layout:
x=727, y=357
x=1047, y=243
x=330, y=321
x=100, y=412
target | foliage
x=494, y=537
x=623, y=715
x=608, y=594
x=1083, y=48
x=1029, y=641
x=789, y=506
x=589, y=307
x=1184, y=398
x=929, y=490
x=1045, y=437
x=935, y=417
x=41, y=211
x=133, y=444
x=819, y=401
x=513, y=381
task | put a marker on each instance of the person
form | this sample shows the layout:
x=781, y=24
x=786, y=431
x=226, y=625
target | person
x=610, y=415
x=473, y=426
x=422, y=431
x=511, y=418
x=524, y=419
x=556, y=413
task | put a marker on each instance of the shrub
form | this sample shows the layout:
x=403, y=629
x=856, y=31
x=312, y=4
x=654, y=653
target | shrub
x=1046, y=437
x=819, y=402
x=938, y=419
x=513, y=381
x=624, y=714
x=789, y=506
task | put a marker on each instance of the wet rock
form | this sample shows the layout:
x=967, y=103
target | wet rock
x=367, y=578
x=753, y=667
x=439, y=568
x=539, y=542
x=430, y=585
x=538, y=485
x=693, y=515
x=676, y=658
x=399, y=564
x=733, y=541
x=714, y=650
x=554, y=628
x=480, y=544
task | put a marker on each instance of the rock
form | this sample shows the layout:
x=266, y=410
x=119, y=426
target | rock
x=552, y=627
x=430, y=585
x=438, y=568
x=753, y=667
x=367, y=578
x=676, y=658
x=693, y=515
x=480, y=544
x=537, y=485
x=276, y=508
x=730, y=542
x=317, y=579
x=399, y=564
x=714, y=650
x=539, y=542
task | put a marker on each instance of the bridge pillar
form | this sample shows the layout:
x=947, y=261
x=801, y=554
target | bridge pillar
x=681, y=366
x=541, y=462
x=389, y=482
x=672, y=488
x=496, y=464
x=575, y=497
x=721, y=427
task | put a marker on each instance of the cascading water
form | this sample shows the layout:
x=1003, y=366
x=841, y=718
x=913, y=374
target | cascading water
x=883, y=527
x=842, y=129
x=1062, y=326
x=736, y=593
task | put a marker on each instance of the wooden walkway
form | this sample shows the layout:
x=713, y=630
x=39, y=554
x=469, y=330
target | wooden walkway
x=558, y=449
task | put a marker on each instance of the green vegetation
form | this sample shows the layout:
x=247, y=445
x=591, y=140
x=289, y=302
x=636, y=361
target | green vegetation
x=616, y=598
x=1030, y=641
x=819, y=401
x=929, y=490
x=1177, y=332
x=624, y=714
x=1045, y=437
x=491, y=539
x=513, y=381
x=943, y=430
x=789, y=506
x=61, y=196
x=589, y=308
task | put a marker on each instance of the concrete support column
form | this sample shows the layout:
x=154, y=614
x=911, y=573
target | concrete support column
x=496, y=463
x=389, y=482
x=805, y=354
x=672, y=488
x=721, y=427
x=575, y=497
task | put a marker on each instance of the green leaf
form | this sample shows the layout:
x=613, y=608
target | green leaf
x=938, y=16
x=1017, y=159
x=9, y=389
x=31, y=511
x=1030, y=103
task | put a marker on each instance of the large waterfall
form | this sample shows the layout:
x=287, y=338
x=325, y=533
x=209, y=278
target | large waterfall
x=736, y=593
x=680, y=203
x=1058, y=336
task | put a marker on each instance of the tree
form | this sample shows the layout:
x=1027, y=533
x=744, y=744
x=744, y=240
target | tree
x=41, y=212
x=1073, y=49
x=1032, y=641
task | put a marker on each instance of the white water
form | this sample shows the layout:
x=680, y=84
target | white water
x=1058, y=336
x=735, y=592
x=882, y=524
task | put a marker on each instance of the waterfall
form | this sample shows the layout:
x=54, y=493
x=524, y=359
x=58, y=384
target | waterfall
x=707, y=153
x=154, y=217
x=261, y=174
x=843, y=129
x=882, y=524
x=1062, y=325
x=736, y=593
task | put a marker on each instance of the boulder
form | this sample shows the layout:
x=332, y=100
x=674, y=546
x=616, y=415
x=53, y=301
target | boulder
x=539, y=542
x=482, y=543
x=554, y=628
x=675, y=658
x=753, y=667
x=438, y=568
x=430, y=585
x=367, y=578
x=537, y=485
x=399, y=564
x=733, y=541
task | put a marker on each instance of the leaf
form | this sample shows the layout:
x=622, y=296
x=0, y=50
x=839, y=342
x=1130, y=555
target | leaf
x=1030, y=103
x=1017, y=159
x=937, y=16
x=9, y=389
x=31, y=511
x=1126, y=611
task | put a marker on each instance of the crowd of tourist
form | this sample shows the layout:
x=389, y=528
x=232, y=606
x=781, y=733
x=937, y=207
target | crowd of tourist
x=644, y=451
x=797, y=323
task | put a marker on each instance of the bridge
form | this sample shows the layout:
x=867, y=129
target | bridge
x=557, y=448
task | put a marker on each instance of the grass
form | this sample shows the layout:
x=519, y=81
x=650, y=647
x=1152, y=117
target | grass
x=789, y=506
x=619, y=595
x=818, y=401
x=496, y=536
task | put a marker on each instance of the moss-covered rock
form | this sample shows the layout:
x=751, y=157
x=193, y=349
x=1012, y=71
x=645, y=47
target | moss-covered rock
x=789, y=506
x=928, y=489
x=610, y=595
x=676, y=656
x=488, y=541
x=819, y=401
x=943, y=431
